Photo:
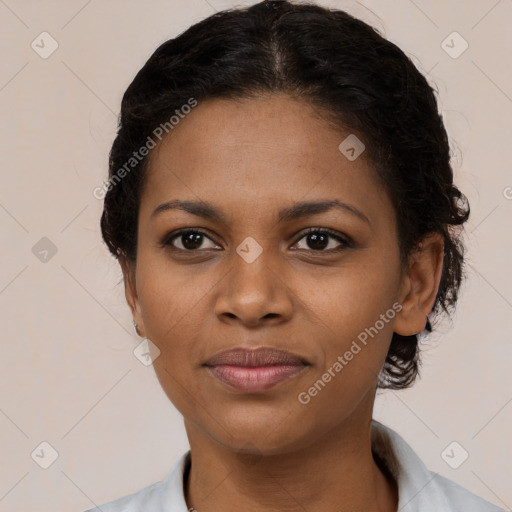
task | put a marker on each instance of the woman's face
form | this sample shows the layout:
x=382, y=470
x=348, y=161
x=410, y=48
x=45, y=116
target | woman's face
x=251, y=161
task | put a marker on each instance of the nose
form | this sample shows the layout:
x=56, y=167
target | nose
x=255, y=293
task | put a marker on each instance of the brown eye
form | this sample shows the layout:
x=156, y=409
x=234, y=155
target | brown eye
x=321, y=240
x=189, y=240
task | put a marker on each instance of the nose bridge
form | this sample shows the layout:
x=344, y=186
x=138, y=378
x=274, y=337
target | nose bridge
x=254, y=285
x=254, y=268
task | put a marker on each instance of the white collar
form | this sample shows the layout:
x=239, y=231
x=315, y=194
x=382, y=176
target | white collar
x=419, y=490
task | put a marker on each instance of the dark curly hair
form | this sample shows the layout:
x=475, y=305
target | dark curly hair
x=357, y=80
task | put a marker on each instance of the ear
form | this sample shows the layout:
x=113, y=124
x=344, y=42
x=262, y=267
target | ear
x=130, y=291
x=419, y=286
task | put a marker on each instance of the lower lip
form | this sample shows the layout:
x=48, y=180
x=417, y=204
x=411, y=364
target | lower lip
x=254, y=380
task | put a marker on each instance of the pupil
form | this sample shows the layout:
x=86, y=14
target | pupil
x=315, y=238
x=191, y=240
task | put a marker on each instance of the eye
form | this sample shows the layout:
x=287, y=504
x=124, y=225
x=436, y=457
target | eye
x=318, y=240
x=189, y=239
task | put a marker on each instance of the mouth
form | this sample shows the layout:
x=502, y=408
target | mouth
x=255, y=370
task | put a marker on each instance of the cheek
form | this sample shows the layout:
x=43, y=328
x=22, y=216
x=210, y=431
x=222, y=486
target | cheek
x=349, y=299
x=356, y=307
x=350, y=346
x=171, y=307
x=172, y=298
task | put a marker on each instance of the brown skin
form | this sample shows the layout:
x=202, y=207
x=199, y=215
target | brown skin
x=267, y=451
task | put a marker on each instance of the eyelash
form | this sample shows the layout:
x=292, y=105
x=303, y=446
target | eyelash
x=345, y=241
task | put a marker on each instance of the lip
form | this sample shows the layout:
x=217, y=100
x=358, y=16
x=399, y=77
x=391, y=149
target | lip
x=255, y=370
x=261, y=356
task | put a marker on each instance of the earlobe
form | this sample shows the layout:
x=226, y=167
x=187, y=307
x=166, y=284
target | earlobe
x=420, y=286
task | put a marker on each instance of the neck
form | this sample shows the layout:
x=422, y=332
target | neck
x=336, y=473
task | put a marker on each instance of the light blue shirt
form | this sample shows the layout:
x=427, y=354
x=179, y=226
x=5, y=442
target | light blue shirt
x=419, y=490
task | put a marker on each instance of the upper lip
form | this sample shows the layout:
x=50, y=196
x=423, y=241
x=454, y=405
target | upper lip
x=262, y=356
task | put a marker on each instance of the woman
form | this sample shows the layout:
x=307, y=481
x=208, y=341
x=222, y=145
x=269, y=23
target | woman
x=282, y=205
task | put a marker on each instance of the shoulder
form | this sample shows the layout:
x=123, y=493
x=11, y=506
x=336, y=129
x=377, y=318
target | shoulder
x=157, y=497
x=141, y=500
x=460, y=499
x=421, y=490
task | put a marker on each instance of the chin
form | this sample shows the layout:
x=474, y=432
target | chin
x=265, y=439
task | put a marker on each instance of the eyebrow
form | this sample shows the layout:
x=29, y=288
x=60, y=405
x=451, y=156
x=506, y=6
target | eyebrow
x=296, y=211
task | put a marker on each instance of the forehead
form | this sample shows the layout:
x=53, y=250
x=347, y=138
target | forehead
x=276, y=124
x=254, y=153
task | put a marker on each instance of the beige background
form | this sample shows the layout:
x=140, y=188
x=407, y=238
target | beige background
x=68, y=373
